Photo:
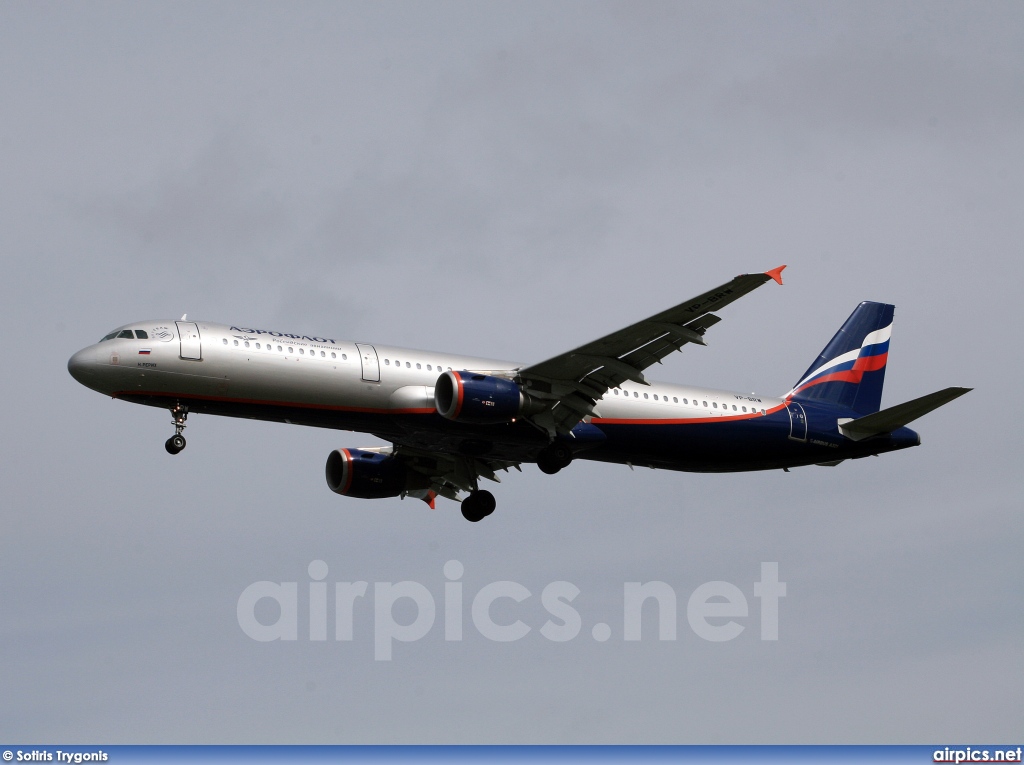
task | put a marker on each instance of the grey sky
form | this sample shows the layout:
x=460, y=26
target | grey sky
x=511, y=180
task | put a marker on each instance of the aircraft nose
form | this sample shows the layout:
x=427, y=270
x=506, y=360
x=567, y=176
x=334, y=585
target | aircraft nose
x=81, y=366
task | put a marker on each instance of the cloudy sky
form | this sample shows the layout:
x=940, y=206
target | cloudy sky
x=511, y=180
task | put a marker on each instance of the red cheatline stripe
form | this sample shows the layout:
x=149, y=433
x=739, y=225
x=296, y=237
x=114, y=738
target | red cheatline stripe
x=870, y=363
x=686, y=421
x=848, y=376
x=855, y=375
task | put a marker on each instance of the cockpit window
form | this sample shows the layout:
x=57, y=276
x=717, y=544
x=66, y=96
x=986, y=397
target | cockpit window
x=141, y=334
x=126, y=333
x=111, y=336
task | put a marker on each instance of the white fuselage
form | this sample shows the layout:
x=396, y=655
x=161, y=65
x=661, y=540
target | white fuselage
x=258, y=367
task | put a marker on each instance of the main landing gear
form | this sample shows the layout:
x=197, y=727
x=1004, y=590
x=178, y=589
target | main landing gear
x=478, y=505
x=554, y=457
x=176, y=443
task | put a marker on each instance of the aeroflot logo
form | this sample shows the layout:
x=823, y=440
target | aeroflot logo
x=284, y=334
x=715, y=611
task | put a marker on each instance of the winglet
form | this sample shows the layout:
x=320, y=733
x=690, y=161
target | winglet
x=775, y=273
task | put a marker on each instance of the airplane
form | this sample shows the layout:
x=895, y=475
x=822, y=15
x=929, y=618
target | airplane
x=453, y=420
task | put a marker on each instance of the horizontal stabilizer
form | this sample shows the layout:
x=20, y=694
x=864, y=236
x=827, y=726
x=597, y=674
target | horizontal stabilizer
x=897, y=416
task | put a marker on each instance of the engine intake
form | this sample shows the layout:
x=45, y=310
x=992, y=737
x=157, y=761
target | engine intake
x=477, y=399
x=370, y=475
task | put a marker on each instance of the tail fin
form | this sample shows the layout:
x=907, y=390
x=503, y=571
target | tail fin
x=851, y=369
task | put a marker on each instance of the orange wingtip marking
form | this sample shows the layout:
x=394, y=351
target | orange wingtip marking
x=775, y=273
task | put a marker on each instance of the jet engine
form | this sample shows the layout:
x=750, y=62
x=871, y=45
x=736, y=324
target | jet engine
x=477, y=399
x=370, y=475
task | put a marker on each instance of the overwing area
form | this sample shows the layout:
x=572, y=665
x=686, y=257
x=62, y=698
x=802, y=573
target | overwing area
x=570, y=384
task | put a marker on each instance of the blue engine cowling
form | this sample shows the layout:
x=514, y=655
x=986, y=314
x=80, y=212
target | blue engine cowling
x=369, y=475
x=477, y=399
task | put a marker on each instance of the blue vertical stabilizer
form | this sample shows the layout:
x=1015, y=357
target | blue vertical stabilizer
x=850, y=371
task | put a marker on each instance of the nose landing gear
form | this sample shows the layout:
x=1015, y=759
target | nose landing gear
x=176, y=443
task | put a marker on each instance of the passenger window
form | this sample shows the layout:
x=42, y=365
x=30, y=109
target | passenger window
x=685, y=401
x=344, y=356
x=705, y=403
x=387, y=362
x=127, y=333
x=714, y=404
x=225, y=341
x=279, y=349
x=616, y=391
x=734, y=407
x=333, y=356
x=290, y=349
x=258, y=346
x=655, y=396
x=676, y=400
x=418, y=365
x=246, y=343
x=236, y=343
x=646, y=396
x=141, y=334
x=636, y=395
x=408, y=365
x=744, y=409
x=429, y=368
x=323, y=355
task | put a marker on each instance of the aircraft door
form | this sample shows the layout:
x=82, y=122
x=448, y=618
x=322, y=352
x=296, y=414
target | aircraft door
x=191, y=347
x=797, y=421
x=368, y=358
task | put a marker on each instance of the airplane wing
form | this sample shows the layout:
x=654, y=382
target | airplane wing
x=448, y=473
x=571, y=383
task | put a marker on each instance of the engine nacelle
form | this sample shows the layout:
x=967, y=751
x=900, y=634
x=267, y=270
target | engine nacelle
x=370, y=475
x=477, y=399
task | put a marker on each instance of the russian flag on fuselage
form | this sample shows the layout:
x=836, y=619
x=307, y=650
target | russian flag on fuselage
x=851, y=370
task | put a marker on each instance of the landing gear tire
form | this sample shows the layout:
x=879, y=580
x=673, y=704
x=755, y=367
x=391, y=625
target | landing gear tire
x=553, y=458
x=546, y=466
x=174, y=444
x=478, y=505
